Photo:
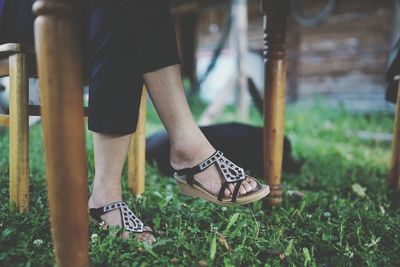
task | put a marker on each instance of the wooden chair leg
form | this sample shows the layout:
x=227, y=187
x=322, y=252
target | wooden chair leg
x=394, y=171
x=276, y=12
x=137, y=152
x=19, y=132
x=59, y=57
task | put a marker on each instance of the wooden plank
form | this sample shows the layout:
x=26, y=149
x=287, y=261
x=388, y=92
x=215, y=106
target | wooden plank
x=19, y=133
x=31, y=63
x=186, y=4
x=137, y=152
x=4, y=67
x=184, y=8
x=394, y=169
x=59, y=56
x=4, y=120
x=276, y=12
x=293, y=59
x=35, y=110
x=13, y=48
x=396, y=23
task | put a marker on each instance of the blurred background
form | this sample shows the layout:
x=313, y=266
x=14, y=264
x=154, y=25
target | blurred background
x=337, y=50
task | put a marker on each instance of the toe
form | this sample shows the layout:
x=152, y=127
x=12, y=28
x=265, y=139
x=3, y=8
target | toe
x=247, y=185
x=147, y=228
x=146, y=236
x=229, y=190
x=253, y=183
x=242, y=189
x=227, y=193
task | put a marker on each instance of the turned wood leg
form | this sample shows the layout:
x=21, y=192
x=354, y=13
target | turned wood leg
x=19, y=132
x=61, y=88
x=275, y=16
x=137, y=152
x=394, y=179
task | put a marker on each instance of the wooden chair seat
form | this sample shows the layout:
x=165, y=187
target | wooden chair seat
x=12, y=48
x=6, y=50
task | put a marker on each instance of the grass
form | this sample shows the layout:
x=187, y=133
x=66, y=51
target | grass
x=347, y=216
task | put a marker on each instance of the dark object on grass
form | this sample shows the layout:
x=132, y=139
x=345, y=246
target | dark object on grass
x=242, y=143
x=393, y=70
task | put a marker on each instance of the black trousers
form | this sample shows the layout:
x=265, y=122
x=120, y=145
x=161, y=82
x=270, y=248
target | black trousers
x=123, y=39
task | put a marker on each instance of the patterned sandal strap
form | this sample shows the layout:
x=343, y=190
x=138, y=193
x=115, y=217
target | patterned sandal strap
x=230, y=171
x=232, y=174
x=128, y=219
x=190, y=172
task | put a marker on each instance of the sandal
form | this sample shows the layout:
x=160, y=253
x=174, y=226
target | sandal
x=129, y=221
x=232, y=174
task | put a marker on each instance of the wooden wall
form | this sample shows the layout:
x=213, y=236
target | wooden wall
x=344, y=58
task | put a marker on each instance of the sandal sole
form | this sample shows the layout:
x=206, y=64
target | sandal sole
x=196, y=191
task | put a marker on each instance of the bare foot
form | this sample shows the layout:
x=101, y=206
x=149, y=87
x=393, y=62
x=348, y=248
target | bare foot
x=211, y=179
x=113, y=218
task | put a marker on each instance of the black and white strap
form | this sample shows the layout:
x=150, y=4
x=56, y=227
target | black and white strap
x=231, y=172
x=129, y=220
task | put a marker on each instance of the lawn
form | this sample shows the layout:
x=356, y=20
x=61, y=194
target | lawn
x=337, y=210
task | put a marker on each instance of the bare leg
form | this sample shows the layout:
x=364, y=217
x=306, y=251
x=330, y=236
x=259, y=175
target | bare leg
x=188, y=144
x=109, y=155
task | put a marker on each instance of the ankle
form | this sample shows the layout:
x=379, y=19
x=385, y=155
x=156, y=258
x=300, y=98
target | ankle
x=184, y=155
x=103, y=194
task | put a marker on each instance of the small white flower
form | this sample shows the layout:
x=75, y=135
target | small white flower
x=94, y=237
x=224, y=208
x=38, y=242
x=326, y=214
x=348, y=253
x=103, y=226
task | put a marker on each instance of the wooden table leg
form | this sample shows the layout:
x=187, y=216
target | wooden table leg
x=137, y=152
x=394, y=171
x=59, y=58
x=19, y=132
x=275, y=17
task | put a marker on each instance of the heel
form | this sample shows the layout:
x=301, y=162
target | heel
x=189, y=190
x=186, y=190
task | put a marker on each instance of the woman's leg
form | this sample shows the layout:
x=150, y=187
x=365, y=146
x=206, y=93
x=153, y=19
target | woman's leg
x=114, y=97
x=188, y=144
x=109, y=156
x=112, y=104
